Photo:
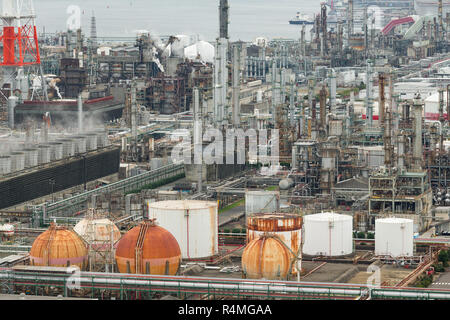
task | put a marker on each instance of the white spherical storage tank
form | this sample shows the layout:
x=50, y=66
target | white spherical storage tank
x=394, y=237
x=193, y=223
x=328, y=234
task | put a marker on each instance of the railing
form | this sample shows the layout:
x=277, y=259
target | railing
x=65, y=209
x=14, y=248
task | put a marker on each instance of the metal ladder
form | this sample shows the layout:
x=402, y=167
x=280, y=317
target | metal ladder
x=138, y=248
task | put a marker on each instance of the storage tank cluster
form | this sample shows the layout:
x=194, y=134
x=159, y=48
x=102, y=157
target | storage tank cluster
x=394, y=237
x=193, y=223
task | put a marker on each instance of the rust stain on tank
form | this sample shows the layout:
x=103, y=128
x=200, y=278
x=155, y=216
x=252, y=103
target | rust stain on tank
x=213, y=226
x=274, y=222
x=295, y=241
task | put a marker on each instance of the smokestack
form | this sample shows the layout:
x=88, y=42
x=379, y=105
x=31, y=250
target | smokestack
x=80, y=114
x=448, y=103
x=133, y=111
x=236, y=87
x=381, y=99
x=223, y=18
x=350, y=20
x=401, y=152
x=322, y=101
x=369, y=110
x=333, y=89
x=292, y=105
x=12, y=103
x=418, y=147
x=198, y=147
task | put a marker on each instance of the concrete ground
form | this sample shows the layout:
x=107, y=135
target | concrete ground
x=330, y=272
x=232, y=213
x=389, y=275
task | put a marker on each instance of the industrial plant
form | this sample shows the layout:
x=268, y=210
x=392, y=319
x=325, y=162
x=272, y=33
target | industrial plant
x=169, y=167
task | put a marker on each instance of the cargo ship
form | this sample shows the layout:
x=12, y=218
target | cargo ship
x=302, y=19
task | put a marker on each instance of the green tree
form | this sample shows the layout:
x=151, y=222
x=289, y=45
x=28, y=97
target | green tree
x=443, y=257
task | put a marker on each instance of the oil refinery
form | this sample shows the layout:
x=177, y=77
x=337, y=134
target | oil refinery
x=173, y=167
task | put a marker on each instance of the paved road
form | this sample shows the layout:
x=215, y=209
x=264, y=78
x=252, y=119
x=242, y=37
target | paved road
x=443, y=282
x=231, y=213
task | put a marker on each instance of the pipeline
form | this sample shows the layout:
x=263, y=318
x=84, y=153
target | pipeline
x=243, y=286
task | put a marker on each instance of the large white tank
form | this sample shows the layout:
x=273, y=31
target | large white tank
x=394, y=237
x=259, y=201
x=328, y=234
x=193, y=223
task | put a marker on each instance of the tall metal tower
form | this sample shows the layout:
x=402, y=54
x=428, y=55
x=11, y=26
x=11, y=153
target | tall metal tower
x=20, y=53
x=220, y=67
x=92, y=52
x=93, y=32
x=20, y=42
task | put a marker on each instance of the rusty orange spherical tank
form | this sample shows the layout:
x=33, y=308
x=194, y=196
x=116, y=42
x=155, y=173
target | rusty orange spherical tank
x=266, y=258
x=59, y=247
x=148, y=249
x=286, y=226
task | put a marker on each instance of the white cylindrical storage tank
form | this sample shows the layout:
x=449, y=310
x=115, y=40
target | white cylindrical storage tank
x=193, y=223
x=68, y=147
x=44, y=154
x=394, y=237
x=91, y=141
x=31, y=157
x=259, y=201
x=5, y=164
x=17, y=161
x=56, y=150
x=328, y=234
x=80, y=144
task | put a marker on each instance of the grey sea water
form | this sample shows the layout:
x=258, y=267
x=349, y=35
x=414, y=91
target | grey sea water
x=120, y=18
